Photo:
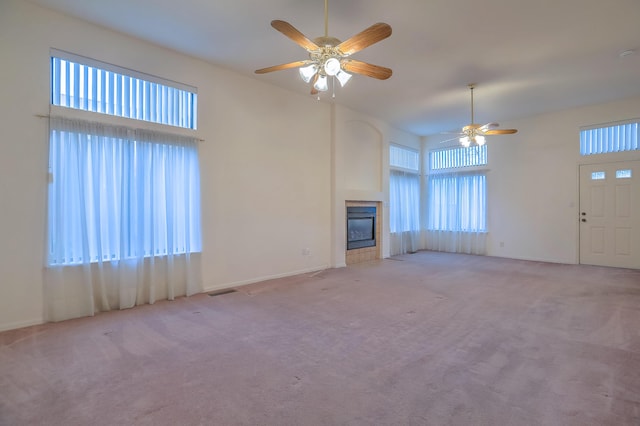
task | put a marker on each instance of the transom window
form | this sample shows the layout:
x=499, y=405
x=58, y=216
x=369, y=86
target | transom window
x=458, y=157
x=616, y=137
x=90, y=85
x=404, y=158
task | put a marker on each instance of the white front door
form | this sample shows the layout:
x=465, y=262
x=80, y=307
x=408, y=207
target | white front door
x=610, y=214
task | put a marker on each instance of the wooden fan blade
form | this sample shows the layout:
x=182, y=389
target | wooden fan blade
x=314, y=91
x=366, y=38
x=281, y=67
x=488, y=126
x=295, y=35
x=500, y=132
x=370, y=70
x=452, y=139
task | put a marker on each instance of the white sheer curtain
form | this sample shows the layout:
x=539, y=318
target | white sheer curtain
x=404, y=211
x=456, y=213
x=123, y=218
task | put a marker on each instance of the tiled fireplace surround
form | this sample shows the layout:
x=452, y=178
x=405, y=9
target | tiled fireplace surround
x=367, y=253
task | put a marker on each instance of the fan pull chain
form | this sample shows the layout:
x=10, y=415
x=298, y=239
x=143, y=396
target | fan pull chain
x=471, y=87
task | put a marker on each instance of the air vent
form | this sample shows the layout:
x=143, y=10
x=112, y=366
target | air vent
x=221, y=292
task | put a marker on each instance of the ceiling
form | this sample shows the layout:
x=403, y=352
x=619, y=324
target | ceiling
x=526, y=57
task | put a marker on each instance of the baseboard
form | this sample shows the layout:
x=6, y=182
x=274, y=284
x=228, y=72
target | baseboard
x=534, y=259
x=264, y=278
x=21, y=324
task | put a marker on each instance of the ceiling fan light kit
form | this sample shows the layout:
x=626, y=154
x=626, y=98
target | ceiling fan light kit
x=307, y=72
x=343, y=77
x=321, y=83
x=467, y=140
x=329, y=57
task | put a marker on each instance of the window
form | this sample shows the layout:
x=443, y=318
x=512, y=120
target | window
x=623, y=174
x=404, y=158
x=117, y=192
x=404, y=189
x=459, y=157
x=612, y=138
x=89, y=85
x=456, y=201
x=404, y=199
x=598, y=175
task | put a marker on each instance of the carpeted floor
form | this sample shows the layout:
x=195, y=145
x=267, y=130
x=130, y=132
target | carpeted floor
x=422, y=339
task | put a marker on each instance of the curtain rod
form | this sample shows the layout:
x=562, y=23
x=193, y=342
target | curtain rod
x=55, y=116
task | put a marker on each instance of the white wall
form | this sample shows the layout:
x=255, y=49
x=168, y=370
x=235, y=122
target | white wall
x=533, y=181
x=265, y=188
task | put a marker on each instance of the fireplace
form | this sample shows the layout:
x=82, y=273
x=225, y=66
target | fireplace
x=361, y=227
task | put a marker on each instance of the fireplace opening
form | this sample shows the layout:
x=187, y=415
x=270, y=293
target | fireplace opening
x=361, y=227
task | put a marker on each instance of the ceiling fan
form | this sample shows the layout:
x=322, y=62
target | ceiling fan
x=329, y=58
x=475, y=133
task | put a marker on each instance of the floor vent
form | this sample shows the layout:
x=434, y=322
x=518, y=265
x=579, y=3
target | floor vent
x=221, y=292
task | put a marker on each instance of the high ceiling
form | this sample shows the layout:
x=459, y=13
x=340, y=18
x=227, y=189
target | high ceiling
x=526, y=57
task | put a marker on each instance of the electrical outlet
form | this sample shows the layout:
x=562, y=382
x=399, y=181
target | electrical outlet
x=501, y=243
x=306, y=251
